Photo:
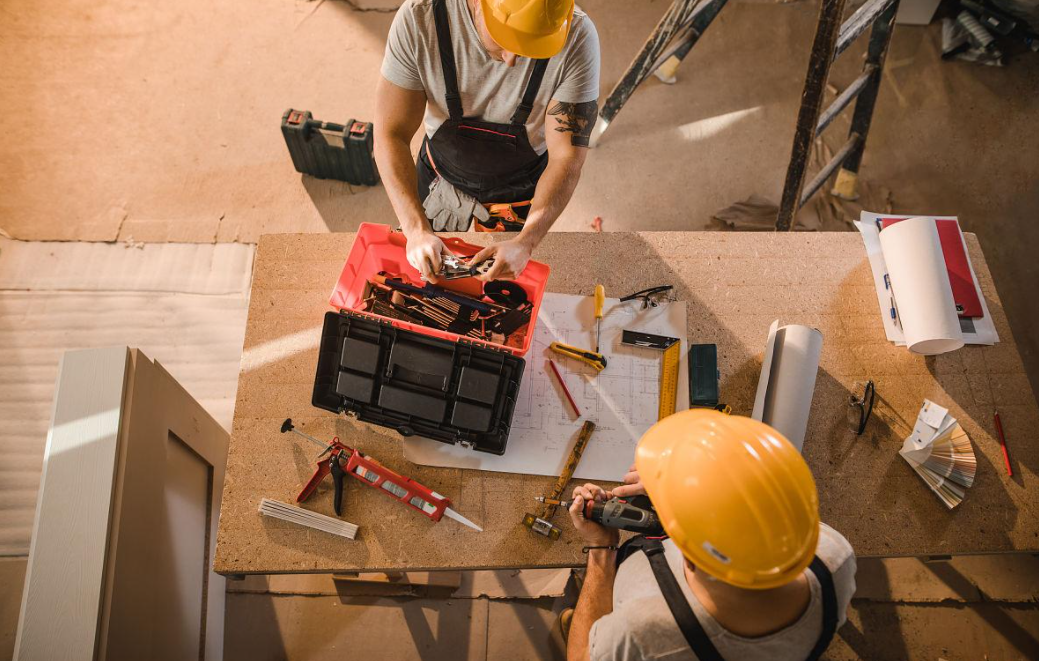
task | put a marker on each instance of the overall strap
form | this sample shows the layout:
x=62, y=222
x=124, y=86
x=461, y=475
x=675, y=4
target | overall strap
x=447, y=59
x=531, y=93
x=683, y=613
x=825, y=578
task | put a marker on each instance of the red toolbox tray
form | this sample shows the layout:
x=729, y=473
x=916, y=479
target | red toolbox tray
x=411, y=378
x=379, y=248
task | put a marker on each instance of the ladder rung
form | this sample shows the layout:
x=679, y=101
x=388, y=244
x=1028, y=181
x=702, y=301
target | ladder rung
x=858, y=22
x=828, y=169
x=844, y=98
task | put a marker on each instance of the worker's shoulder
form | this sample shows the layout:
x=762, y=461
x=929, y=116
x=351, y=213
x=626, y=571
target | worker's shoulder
x=582, y=27
x=833, y=548
x=635, y=629
x=420, y=11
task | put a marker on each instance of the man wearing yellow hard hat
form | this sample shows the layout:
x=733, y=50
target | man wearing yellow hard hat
x=508, y=92
x=748, y=571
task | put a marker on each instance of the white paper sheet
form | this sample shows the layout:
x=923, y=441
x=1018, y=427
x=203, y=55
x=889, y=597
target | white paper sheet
x=920, y=283
x=787, y=381
x=622, y=400
x=978, y=330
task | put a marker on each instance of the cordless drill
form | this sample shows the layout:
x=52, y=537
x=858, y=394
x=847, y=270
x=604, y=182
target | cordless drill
x=635, y=514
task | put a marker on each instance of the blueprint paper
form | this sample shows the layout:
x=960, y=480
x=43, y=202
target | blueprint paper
x=622, y=400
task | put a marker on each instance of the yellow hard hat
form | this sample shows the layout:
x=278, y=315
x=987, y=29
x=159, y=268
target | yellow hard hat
x=734, y=495
x=531, y=28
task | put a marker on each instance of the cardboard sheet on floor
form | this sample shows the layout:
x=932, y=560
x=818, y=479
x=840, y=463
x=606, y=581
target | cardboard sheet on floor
x=184, y=305
x=622, y=400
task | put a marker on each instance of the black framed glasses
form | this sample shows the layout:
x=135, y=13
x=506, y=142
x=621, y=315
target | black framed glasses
x=653, y=296
x=860, y=408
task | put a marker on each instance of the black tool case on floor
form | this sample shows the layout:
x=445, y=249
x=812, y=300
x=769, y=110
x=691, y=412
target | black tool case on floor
x=343, y=152
x=455, y=392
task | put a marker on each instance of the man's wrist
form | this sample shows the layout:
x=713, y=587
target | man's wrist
x=605, y=556
x=415, y=226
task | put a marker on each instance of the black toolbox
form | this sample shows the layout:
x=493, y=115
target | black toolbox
x=416, y=384
x=330, y=151
x=413, y=379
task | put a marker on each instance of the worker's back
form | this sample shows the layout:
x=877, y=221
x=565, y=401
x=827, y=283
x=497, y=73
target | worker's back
x=641, y=625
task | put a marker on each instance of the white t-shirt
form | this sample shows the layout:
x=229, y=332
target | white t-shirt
x=642, y=627
x=490, y=90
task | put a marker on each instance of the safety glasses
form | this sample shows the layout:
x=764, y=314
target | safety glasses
x=653, y=296
x=860, y=408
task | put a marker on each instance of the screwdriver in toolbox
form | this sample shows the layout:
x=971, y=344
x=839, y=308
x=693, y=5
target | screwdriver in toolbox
x=620, y=513
x=600, y=300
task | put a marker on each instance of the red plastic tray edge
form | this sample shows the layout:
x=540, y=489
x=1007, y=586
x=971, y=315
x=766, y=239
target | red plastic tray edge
x=346, y=293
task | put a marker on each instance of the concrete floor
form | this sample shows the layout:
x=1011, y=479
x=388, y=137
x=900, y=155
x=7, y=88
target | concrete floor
x=158, y=122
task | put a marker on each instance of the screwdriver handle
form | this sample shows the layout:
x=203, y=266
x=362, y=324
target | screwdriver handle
x=338, y=473
x=600, y=300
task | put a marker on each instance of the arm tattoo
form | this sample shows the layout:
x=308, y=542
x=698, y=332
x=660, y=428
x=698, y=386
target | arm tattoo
x=576, y=118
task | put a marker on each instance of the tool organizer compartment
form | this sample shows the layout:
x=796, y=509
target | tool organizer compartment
x=378, y=248
x=416, y=384
x=421, y=380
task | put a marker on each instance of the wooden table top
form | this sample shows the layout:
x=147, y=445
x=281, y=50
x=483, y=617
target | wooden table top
x=735, y=285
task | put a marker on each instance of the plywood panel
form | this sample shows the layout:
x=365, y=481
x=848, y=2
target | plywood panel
x=164, y=601
x=64, y=578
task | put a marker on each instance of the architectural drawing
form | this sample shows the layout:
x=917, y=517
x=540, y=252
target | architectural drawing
x=622, y=399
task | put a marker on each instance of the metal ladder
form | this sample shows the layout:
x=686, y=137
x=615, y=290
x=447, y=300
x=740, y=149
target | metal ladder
x=685, y=22
x=831, y=39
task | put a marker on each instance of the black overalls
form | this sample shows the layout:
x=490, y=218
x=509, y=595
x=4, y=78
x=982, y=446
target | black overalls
x=492, y=162
x=686, y=619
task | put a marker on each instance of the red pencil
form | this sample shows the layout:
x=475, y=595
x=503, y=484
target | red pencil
x=1003, y=444
x=562, y=383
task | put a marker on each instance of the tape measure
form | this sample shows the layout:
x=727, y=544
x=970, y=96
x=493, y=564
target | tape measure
x=669, y=380
x=672, y=349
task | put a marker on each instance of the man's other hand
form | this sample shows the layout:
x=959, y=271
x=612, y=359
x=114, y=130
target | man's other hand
x=591, y=532
x=510, y=258
x=632, y=485
x=424, y=249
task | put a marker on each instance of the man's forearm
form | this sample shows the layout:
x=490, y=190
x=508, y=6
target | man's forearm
x=393, y=156
x=553, y=193
x=596, y=600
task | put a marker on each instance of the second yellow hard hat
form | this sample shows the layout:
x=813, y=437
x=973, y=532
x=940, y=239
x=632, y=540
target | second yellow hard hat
x=735, y=496
x=530, y=28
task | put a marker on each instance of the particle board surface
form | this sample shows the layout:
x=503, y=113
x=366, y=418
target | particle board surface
x=735, y=285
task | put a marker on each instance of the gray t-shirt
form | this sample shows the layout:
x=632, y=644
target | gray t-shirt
x=642, y=627
x=490, y=90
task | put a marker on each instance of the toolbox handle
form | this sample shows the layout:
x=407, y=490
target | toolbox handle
x=317, y=124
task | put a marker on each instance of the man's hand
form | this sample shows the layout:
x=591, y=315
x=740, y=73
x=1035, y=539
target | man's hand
x=591, y=532
x=632, y=485
x=510, y=258
x=424, y=249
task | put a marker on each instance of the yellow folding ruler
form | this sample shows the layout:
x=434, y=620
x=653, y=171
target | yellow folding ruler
x=672, y=349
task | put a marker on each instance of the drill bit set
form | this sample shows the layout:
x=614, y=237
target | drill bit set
x=501, y=315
